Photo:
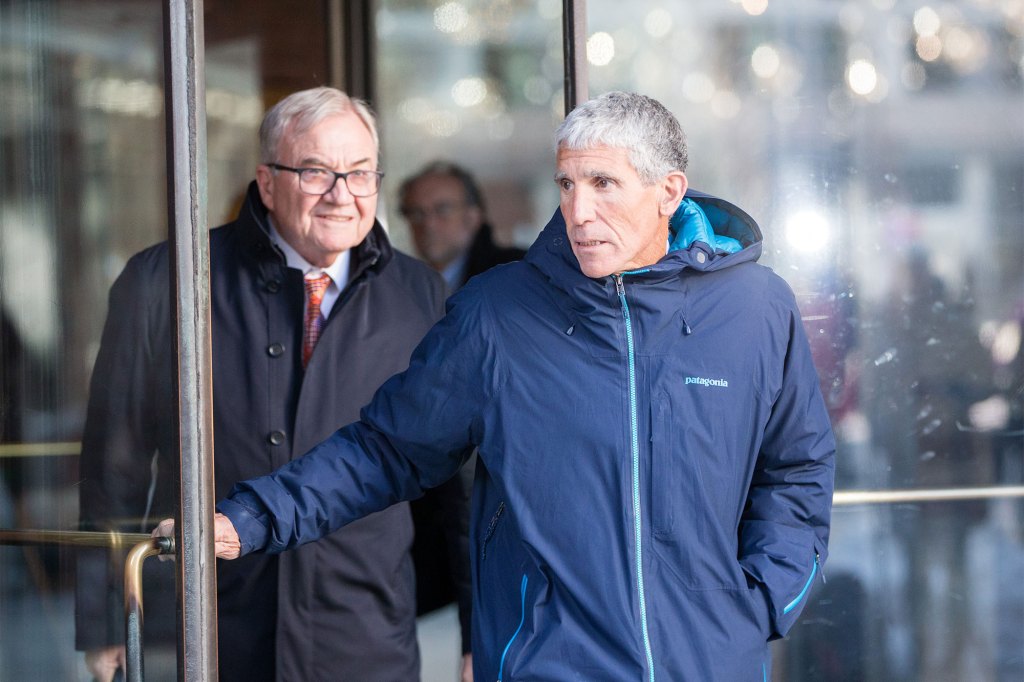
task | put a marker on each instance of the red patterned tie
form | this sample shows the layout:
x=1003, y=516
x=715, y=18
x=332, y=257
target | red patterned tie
x=315, y=288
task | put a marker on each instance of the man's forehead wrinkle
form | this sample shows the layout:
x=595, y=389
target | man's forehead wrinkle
x=317, y=160
x=587, y=173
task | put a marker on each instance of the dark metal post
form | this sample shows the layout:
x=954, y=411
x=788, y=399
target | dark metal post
x=190, y=291
x=350, y=47
x=574, y=52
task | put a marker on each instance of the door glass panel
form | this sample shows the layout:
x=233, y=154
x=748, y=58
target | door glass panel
x=879, y=145
x=83, y=188
x=478, y=84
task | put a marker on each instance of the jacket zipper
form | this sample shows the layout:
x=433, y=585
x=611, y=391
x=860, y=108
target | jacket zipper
x=635, y=448
x=807, y=586
x=522, y=619
x=490, y=529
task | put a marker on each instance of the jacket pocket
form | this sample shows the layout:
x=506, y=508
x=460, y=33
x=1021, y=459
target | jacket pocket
x=512, y=639
x=805, y=590
x=691, y=500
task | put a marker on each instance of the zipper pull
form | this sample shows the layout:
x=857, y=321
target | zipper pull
x=821, y=569
x=619, y=288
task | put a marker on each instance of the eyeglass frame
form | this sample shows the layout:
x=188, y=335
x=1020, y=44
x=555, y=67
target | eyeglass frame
x=343, y=176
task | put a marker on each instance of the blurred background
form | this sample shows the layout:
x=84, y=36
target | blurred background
x=879, y=143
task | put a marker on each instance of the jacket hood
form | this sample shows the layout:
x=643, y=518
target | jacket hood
x=705, y=234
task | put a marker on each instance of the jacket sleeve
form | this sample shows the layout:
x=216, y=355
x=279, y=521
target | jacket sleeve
x=118, y=445
x=415, y=434
x=785, y=525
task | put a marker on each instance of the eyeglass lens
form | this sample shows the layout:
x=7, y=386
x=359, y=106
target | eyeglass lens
x=442, y=211
x=360, y=183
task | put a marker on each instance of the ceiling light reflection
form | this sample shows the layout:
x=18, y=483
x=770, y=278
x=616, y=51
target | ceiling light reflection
x=765, y=61
x=658, y=22
x=754, y=7
x=468, y=92
x=862, y=77
x=929, y=48
x=451, y=17
x=926, y=21
x=808, y=231
x=600, y=49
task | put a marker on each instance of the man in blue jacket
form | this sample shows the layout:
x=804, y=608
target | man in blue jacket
x=659, y=463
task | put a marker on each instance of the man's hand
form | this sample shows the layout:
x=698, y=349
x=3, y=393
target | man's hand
x=103, y=663
x=226, y=544
x=467, y=668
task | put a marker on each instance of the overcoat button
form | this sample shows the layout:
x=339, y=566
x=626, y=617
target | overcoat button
x=274, y=286
x=276, y=437
x=275, y=350
x=701, y=257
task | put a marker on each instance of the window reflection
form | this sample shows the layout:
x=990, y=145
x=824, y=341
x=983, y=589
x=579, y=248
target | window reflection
x=82, y=188
x=879, y=145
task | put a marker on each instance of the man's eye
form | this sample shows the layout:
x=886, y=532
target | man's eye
x=565, y=185
x=601, y=182
x=358, y=174
x=315, y=173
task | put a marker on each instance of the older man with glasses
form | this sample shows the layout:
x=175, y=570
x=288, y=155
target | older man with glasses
x=312, y=310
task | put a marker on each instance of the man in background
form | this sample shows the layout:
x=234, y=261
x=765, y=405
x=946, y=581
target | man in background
x=447, y=217
x=312, y=309
x=448, y=220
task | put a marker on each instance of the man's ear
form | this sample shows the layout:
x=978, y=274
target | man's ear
x=673, y=188
x=265, y=182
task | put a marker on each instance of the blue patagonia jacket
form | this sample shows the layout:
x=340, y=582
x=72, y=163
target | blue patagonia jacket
x=657, y=473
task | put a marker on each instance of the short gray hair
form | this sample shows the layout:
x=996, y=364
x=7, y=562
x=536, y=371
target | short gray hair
x=305, y=109
x=626, y=120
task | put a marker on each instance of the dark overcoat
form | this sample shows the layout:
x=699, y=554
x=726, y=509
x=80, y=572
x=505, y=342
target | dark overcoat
x=340, y=609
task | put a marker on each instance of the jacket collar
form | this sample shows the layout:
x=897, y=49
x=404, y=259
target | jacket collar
x=707, y=234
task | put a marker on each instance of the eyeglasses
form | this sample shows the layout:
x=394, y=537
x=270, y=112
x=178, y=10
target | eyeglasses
x=442, y=211
x=320, y=181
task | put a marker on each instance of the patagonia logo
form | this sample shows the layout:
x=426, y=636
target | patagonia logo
x=702, y=381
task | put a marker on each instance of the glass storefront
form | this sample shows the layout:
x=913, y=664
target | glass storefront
x=879, y=143
x=881, y=147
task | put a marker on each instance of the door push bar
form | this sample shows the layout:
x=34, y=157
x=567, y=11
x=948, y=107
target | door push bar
x=142, y=547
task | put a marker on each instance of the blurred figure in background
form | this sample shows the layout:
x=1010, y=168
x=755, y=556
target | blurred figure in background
x=448, y=220
x=927, y=363
x=447, y=217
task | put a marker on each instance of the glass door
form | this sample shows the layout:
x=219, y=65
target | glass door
x=88, y=434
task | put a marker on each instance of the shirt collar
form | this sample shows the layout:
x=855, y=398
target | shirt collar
x=337, y=271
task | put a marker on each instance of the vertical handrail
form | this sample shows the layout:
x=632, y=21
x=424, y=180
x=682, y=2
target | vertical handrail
x=133, y=603
x=190, y=292
x=574, y=53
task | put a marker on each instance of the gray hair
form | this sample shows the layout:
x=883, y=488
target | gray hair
x=625, y=120
x=304, y=109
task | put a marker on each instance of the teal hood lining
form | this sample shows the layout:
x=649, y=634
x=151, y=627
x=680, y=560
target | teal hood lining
x=690, y=224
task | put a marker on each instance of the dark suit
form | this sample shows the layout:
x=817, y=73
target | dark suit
x=484, y=254
x=339, y=609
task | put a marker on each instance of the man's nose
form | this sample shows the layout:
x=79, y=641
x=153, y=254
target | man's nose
x=580, y=208
x=339, y=194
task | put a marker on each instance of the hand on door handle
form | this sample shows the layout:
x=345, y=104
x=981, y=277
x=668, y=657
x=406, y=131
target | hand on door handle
x=226, y=544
